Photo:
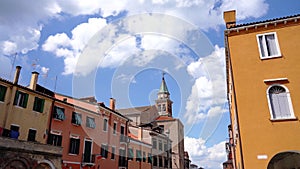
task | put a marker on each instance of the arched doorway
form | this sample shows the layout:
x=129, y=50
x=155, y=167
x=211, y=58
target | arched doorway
x=45, y=164
x=16, y=164
x=285, y=160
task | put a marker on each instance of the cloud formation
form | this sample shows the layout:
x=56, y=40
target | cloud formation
x=207, y=157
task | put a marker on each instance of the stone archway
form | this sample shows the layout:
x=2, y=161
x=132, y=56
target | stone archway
x=286, y=160
x=45, y=164
x=16, y=164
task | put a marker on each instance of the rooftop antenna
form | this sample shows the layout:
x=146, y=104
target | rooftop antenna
x=13, y=64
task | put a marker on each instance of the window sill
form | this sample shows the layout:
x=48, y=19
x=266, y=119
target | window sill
x=70, y=154
x=77, y=125
x=284, y=119
x=270, y=57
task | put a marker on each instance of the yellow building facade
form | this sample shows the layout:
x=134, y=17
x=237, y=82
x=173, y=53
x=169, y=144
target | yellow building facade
x=263, y=77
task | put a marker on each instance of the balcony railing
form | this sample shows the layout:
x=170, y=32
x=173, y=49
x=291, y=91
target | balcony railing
x=123, y=139
x=88, y=159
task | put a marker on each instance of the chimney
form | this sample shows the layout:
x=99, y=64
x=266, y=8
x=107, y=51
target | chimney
x=112, y=103
x=140, y=133
x=17, y=74
x=33, y=81
x=229, y=18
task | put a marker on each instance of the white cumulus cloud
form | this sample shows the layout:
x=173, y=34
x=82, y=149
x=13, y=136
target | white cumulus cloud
x=207, y=157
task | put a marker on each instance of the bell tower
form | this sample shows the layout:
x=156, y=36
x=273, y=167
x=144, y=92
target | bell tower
x=163, y=102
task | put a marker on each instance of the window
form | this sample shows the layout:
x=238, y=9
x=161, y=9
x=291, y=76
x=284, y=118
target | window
x=21, y=99
x=105, y=121
x=154, y=160
x=104, y=150
x=144, y=156
x=14, y=131
x=138, y=155
x=280, y=103
x=160, y=145
x=115, y=128
x=130, y=154
x=54, y=139
x=165, y=147
x=149, y=158
x=76, y=118
x=113, y=149
x=268, y=45
x=74, y=145
x=166, y=162
x=2, y=92
x=31, y=135
x=122, y=158
x=38, y=104
x=90, y=122
x=160, y=161
x=154, y=143
x=59, y=113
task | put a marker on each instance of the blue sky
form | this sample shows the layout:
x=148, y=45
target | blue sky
x=120, y=49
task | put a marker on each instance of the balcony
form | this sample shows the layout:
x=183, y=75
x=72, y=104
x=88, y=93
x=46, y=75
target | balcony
x=88, y=159
x=123, y=139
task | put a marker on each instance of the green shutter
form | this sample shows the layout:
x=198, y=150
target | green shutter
x=25, y=100
x=42, y=105
x=16, y=97
x=2, y=93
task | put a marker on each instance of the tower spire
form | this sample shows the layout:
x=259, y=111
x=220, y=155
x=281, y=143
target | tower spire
x=163, y=102
x=163, y=87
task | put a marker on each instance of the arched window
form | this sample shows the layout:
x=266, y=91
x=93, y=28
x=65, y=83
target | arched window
x=280, y=103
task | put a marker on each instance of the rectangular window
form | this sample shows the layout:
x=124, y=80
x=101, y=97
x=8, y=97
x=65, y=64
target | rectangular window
x=2, y=92
x=154, y=143
x=130, y=154
x=76, y=118
x=160, y=145
x=165, y=147
x=90, y=122
x=115, y=128
x=14, y=131
x=38, y=104
x=154, y=160
x=166, y=162
x=160, y=161
x=59, y=113
x=104, y=150
x=54, y=139
x=31, y=135
x=144, y=156
x=149, y=158
x=268, y=45
x=21, y=99
x=138, y=155
x=74, y=145
x=105, y=121
x=113, y=149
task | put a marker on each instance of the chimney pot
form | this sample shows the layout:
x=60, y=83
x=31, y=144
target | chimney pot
x=112, y=103
x=33, y=81
x=17, y=74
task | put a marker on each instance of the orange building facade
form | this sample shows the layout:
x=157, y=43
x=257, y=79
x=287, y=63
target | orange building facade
x=93, y=136
x=263, y=92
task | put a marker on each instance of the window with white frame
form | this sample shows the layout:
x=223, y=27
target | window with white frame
x=268, y=45
x=115, y=128
x=280, y=103
x=74, y=145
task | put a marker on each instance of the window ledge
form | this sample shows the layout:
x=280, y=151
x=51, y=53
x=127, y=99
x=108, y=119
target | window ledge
x=270, y=57
x=284, y=119
x=76, y=124
x=70, y=154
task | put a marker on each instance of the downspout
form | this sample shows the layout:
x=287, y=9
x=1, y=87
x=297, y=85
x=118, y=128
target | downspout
x=235, y=103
